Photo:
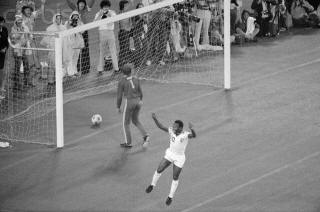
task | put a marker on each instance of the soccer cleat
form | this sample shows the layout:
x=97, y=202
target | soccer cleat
x=149, y=189
x=168, y=201
x=146, y=141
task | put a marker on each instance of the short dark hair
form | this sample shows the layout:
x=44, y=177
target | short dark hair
x=2, y=19
x=139, y=4
x=127, y=68
x=243, y=13
x=23, y=9
x=104, y=3
x=179, y=122
x=122, y=3
x=83, y=1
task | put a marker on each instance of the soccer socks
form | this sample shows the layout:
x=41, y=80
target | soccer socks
x=174, y=186
x=155, y=178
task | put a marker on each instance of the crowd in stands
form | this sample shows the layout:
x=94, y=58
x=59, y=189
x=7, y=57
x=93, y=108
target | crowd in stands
x=154, y=38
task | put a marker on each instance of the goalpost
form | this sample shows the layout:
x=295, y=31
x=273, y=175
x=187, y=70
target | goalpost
x=163, y=46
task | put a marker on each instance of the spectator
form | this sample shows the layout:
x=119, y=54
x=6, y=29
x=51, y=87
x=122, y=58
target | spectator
x=262, y=14
x=176, y=29
x=49, y=42
x=125, y=32
x=20, y=38
x=84, y=10
x=216, y=25
x=247, y=28
x=303, y=14
x=204, y=13
x=4, y=45
x=106, y=36
x=140, y=28
x=73, y=45
x=158, y=36
x=29, y=15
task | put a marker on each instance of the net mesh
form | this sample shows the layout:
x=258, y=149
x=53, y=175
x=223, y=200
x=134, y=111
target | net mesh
x=170, y=45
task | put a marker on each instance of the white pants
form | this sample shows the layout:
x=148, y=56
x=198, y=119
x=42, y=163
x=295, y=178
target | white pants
x=107, y=38
x=174, y=158
x=72, y=63
x=205, y=18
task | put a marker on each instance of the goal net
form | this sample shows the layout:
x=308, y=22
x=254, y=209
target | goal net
x=166, y=42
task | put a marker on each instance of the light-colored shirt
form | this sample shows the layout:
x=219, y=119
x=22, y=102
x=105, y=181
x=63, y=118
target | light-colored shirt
x=178, y=143
x=110, y=26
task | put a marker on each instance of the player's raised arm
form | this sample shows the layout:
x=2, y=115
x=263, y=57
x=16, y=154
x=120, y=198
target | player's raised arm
x=154, y=117
x=193, y=133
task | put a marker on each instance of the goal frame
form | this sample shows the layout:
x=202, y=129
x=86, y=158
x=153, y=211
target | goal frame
x=62, y=34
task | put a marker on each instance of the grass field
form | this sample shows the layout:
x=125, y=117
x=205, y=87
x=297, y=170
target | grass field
x=257, y=147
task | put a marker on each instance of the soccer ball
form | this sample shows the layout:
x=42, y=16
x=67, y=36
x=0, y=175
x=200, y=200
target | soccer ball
x=96, y=119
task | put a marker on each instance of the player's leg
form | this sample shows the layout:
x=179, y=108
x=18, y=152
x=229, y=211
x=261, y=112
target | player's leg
x=177, y=168
x=127, y=113
x=137, y=123
x=162, y=166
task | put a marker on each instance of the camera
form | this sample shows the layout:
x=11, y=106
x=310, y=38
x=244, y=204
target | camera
x=105, y=14
x=74, y=22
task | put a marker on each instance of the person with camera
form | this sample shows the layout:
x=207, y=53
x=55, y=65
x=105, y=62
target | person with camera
x=84, y=9
x=73, y=45
x=106, y=37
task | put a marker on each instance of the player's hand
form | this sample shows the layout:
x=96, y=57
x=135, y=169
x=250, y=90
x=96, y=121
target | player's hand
x=190, y=125
x=119, y=110
x=154, y=116
x=140, y=102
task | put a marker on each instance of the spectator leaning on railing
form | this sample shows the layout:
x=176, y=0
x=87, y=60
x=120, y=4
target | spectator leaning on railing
x=4, y=45
x=106, y=37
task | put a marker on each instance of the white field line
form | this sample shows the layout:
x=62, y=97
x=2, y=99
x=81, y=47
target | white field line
x=250, y=182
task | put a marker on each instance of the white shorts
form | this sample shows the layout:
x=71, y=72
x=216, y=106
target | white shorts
x=176, y=159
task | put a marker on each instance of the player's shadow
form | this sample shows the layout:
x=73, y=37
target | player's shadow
x=114, y=165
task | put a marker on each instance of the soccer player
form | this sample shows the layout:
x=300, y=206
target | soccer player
x=129, y=87
x=174, y=154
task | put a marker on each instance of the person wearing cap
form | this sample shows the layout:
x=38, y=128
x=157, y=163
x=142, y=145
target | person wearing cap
x=49, y=42
x=4, y=45
x=72, y=45
x=84, y=9
x=129, y=88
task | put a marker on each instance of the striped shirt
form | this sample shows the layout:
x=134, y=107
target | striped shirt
x=130, y=88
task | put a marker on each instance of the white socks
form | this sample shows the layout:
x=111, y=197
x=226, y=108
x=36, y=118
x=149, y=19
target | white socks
x=174, y=186
x=155, y=178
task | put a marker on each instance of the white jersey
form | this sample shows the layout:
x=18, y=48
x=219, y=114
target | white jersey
x=178, y=143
